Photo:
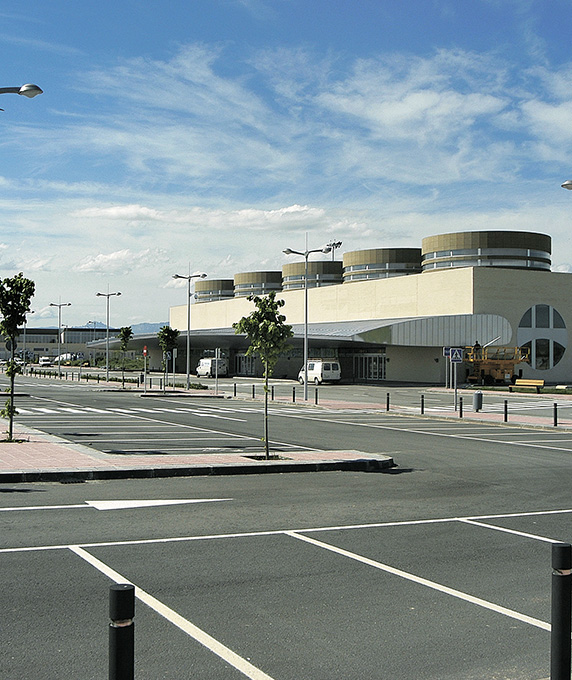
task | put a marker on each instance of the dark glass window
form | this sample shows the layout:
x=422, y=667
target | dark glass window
x=558, y=321
x=542, y=316
x=526, y=321
x=557, y=352
x=542, y=354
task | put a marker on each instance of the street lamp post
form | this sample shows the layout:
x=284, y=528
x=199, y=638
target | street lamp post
x=59, y=305
x=305, y=255
x=24, y=350
x=27, y=90
x=107, y=296
x=333, y=245
x=567, y=184
x=188, y=278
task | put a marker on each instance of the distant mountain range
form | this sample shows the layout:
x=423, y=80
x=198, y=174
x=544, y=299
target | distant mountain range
x=141, y=328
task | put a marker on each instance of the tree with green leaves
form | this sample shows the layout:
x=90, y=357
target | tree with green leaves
x=15, y=296
x=268, y=336
x=125, y=335
x=167, y=338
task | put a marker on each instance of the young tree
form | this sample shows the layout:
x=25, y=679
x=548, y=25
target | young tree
x=15, y=296
x=167, y=337
x=125, y=335
x=268, y=335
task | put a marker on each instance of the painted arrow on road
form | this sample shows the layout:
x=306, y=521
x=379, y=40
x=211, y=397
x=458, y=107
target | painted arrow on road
x=124, y=505
x=118, y=505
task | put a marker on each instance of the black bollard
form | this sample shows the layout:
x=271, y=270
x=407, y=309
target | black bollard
x=422, y=404
x=316, y=396
x=561, y=611
x=293, y=394
x=460, y=407
x=253, y=391
x=555, y=414
x=121, y=632
x=272, y=393
x=506, y=410
x=234, y=390
x=387, y=402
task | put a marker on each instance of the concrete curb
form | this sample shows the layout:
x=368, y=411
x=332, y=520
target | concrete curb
x=51, y=459
x=76, y=476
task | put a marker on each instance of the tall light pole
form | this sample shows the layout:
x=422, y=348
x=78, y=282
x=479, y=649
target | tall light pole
x=333, y=245
x=107, y=296
x=188, y=279
x=24, y=350
x=59, y=305
x=305, y=255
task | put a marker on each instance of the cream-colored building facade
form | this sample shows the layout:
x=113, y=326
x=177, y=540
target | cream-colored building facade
x=395, y=328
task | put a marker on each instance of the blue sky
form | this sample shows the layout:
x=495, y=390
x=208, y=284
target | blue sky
x=209, y=135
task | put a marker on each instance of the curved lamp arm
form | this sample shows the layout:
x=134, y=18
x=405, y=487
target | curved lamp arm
x=28, y=90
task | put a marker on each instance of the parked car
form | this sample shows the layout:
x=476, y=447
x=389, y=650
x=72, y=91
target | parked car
x=44, y=361
x=320, y=371
x=207, y=368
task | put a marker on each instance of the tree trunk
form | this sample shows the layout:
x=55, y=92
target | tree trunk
x=12, y=383
x=266, y=445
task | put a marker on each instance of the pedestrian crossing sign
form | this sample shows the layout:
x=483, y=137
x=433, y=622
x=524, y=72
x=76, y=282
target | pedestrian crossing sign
x=456, y=355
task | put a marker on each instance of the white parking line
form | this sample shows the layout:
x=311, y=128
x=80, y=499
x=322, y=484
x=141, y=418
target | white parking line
x=223, y=652
x=307, y=530
x=424, y=582
x=524, y=534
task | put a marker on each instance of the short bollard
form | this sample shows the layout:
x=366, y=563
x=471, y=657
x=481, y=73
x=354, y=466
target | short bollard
x=121, y=632
x=234, y=390
x=460, y=407
x=506, y=410
x=561, y=621
x=253, y=391
x=555, y=414
x=422, y=404
x=387, y=402
x=316, y=396
x=293, y=394
x=272, y=393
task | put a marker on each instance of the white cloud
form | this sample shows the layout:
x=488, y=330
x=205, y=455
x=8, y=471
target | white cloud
x=220, y=170
x=122, y=212
x=120, y=262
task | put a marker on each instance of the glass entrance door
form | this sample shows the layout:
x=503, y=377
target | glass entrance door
x=369, y=366
x=245, y=365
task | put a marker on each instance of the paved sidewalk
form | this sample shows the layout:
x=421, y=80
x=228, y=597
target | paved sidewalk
x=38, y=457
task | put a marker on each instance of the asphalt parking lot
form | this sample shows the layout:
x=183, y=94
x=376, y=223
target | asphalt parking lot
x=439, y=568
x=241, y=587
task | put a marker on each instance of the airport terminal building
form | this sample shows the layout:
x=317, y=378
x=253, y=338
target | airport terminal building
x=388, y=313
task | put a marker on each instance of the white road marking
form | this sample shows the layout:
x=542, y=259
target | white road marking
x=124, y=505
x=429, y=432
x=424, y=582
x=112, y=411
x=116, y=505
x=223, y=652
x=524, y=534
x=277, y=532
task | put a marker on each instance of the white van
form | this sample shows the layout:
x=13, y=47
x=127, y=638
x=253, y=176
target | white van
x=45, y=361
x=320, y=370
x=207, y=368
